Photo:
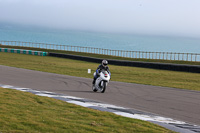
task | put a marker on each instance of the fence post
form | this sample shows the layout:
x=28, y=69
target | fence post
x=138, y=54
x=183, y=56
x=149, y=55
x=195, y=57
x=142, y=55
x=133, y=54
x=153, y=55
x=191, y=56
x=178, y=56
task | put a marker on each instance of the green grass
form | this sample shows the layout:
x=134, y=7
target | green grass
x=182, y=80
x=26, y=112
x=106, y=56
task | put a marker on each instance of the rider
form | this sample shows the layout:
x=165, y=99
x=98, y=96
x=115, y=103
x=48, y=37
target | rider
x=103, y=66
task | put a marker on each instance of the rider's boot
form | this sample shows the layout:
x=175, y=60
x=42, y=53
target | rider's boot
x=93, y=82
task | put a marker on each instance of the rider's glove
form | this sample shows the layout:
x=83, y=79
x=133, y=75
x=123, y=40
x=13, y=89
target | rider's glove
x=98, y=74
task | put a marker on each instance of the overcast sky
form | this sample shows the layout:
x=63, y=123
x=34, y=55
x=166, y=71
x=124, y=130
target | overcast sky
x=165, y=17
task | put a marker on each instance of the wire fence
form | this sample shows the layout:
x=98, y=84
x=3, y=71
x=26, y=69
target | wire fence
x=120, y=53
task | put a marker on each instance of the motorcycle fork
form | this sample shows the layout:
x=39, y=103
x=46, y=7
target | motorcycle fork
x=102, y=83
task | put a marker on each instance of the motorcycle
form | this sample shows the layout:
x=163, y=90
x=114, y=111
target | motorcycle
x=101, y=82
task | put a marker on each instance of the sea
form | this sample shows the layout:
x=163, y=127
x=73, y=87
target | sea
x=113, y=41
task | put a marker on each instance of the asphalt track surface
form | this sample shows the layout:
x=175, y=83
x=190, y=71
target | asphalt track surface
x=178, y=104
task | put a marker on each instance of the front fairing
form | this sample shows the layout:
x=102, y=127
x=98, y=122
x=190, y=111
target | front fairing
x=105, y=76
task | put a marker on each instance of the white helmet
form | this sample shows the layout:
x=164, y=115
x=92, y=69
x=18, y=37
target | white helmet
x=104, y=63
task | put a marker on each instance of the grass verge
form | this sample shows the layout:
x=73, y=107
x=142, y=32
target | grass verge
x=146, y=76
x=26, y=112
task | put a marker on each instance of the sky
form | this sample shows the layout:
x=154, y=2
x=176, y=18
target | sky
x=160, y=17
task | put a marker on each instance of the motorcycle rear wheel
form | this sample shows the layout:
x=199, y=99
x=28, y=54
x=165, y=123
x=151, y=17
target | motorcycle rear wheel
x=94, y=89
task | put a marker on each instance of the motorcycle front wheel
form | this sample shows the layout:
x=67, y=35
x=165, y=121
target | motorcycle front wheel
x=104, y=87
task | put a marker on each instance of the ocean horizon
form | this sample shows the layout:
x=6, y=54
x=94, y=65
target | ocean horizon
x=114, y=41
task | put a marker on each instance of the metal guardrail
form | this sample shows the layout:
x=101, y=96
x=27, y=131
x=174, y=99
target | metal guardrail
x=120, y=53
